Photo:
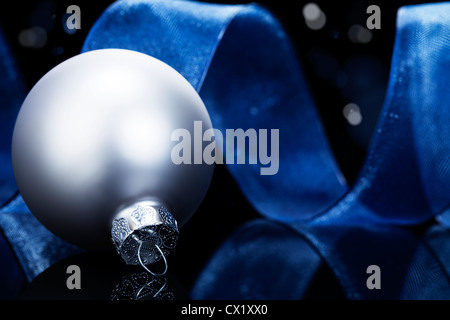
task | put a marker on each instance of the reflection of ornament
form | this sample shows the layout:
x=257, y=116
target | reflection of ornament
x=92, y=152
x=141, y=285
x=103, y=277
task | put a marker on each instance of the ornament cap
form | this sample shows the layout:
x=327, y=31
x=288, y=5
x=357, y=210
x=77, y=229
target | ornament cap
x=144, y=233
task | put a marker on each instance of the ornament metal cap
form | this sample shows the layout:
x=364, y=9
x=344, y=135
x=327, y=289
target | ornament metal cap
x=144, y=233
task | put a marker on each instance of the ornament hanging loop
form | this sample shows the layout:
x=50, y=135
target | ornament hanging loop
x=145, y=267
x=144, y=233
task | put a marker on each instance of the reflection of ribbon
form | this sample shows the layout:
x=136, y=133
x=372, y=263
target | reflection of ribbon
x=243, y=66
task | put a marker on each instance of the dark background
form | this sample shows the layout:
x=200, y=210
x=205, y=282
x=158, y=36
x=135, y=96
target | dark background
x=338, y=70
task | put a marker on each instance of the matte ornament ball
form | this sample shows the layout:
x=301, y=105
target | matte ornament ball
x=92, y=147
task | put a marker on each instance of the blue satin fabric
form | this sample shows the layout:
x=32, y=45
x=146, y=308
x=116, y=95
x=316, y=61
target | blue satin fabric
x=26, y=247
x=245, y=70
x=227, y=54
x=263, y=260
x=12, y=93
x=266, y=260
x=36, y=248
x=241, y=62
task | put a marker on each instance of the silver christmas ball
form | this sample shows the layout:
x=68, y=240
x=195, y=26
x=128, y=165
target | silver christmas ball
x=92, y=147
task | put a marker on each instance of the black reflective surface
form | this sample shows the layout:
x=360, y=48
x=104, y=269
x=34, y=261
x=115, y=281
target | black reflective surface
x=102, y=276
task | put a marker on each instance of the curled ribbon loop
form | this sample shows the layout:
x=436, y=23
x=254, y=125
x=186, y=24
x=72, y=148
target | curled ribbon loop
x=244, y=68
x=241, y=62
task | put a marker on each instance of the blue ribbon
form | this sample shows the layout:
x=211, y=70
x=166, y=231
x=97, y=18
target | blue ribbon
x=239, y=59
x=12, y=93
x=242, y=64
x=34, y=248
